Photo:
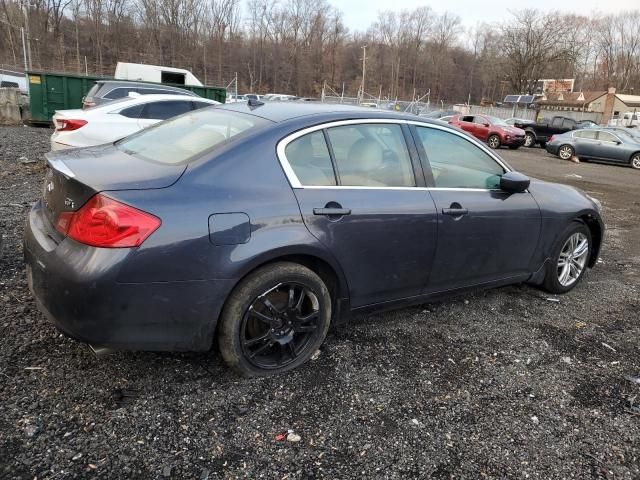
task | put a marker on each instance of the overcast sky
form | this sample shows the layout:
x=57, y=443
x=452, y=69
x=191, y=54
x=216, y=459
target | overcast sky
x=359, y=14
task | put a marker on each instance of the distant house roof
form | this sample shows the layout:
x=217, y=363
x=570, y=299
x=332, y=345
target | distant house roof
x=629, y=100
x=571, y=98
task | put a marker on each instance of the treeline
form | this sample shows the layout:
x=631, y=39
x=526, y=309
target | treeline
x=295, y=46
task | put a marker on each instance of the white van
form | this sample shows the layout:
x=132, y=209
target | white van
x=628, y=119
x=155, y=73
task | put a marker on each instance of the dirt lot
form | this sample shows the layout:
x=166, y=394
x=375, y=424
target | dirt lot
x=509, y=383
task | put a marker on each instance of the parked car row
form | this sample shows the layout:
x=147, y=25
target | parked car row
x=565, y=137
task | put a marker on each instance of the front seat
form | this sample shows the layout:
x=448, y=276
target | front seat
x=365, y=162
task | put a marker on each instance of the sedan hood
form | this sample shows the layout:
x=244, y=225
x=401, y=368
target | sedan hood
x=106, y=167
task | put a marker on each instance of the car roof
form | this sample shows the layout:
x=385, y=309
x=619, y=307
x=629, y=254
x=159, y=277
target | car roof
x=283, y=111
x=126, y=83
x=131, y=101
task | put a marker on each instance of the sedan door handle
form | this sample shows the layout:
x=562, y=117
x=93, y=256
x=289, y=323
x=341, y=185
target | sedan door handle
x=338, y=212
x=455, y=212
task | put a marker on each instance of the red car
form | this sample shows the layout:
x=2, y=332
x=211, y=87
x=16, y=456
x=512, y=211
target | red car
x=494, y=131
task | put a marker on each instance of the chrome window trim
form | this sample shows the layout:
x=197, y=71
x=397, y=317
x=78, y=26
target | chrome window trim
x=295, y=182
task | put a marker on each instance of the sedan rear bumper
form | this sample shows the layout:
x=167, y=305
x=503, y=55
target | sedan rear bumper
x=552, y=148
x=75, y=286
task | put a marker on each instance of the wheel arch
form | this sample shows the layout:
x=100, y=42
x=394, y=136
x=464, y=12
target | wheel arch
x=327, y=269
x=596, y=235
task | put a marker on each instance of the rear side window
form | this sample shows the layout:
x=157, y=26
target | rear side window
x=119, y=93
x=310, y=160
x=180, y=139
x=586, y=134
x=164, y=110
x=133, y=112
x=458, y=163
x=197, y=105
x=466, y=118
x=371, y=155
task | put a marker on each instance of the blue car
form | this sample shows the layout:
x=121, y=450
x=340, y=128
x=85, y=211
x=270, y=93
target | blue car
x=608, y=145
x=257, y=226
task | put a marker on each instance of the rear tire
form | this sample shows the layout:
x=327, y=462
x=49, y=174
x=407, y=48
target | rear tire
x=543, y=144
x=569, y=260
x=565, y=152
x=634, y=161
x=493, y=141
x=274, y=320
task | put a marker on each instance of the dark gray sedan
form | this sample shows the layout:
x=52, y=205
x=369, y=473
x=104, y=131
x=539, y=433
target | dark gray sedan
x=598, y=144
x=259, y=225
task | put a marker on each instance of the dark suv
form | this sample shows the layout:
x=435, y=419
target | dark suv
x=107, y=90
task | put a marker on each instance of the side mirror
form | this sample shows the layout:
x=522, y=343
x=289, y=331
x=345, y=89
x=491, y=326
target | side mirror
x=514, y=182
x=485, y=124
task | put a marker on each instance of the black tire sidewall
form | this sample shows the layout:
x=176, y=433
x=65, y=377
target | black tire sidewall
x=244, y=294
x=551, y=282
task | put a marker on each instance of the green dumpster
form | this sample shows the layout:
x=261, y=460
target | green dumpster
x=49, y=92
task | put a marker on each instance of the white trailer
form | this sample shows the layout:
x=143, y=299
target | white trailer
x=156, y=74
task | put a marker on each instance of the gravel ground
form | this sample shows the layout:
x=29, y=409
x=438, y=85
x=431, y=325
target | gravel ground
x=509, y=383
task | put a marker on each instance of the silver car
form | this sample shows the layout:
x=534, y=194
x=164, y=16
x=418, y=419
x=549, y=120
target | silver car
x=598, y=144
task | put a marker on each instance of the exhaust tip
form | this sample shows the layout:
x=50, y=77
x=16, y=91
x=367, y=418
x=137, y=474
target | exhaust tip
x=99, y=351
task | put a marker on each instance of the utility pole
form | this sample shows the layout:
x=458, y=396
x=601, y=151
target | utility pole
x=24, y=50
x=25, y=10
x=364, y=71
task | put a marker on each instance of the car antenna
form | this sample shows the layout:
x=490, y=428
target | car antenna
x=254, y=103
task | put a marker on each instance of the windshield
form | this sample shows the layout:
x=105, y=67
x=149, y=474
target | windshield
x=497, y=121
x=181, y=138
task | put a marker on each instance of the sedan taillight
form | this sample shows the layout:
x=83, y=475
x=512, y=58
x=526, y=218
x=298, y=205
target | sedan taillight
x=105, y=222
x=67, y=124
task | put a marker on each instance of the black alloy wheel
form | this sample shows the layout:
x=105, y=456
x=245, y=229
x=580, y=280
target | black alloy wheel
x=274, y=320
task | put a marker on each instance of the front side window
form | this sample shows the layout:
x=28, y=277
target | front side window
x=607, y=137
x=310, y=160
x=373, y=155
x=458, y=163
x=180, y=139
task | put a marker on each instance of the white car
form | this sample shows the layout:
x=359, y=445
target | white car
x=118, y=119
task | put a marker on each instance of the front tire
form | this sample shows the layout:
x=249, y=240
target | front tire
x=274, y=320
x=529, y=140
x=565, y=152
x=493, y=141
x=634, y=161
x=570, y=259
